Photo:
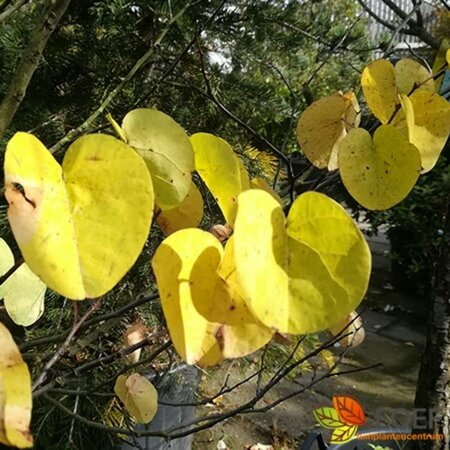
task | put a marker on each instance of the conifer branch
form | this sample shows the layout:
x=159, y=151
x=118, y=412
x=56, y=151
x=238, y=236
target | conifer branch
x=49, y=18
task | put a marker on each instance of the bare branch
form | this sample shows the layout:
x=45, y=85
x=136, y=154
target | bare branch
x=51, y=14
x=60, y=352
x=372, y=14
x=414, y=28
x=111, y=315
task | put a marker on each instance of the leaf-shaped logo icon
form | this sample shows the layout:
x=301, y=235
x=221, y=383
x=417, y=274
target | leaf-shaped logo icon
x=343, y=434
x=349, y=410
x=328, y=417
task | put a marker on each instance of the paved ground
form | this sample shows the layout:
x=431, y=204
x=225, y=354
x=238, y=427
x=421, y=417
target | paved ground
x=395, y=337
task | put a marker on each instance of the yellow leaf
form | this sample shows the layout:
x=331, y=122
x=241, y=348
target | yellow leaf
x=80, y=227
x=442, y=58
x=379, y=88
x=138, y=395
x=243, y=333
x=167, y=151
x=134, y=334
x=219, y=168
x=410, y=74
x=354, y=330
x=324, y=226
x=320, y=127
x=245, y=180
x=187, y=214
x=23, y=292
x=6, y=257
x=309, y=285
x=206, y=317
x=15, y=394
x=343, y=434
x=352, y=116
x=260, y=183
x=378, y=173
x=425, y=120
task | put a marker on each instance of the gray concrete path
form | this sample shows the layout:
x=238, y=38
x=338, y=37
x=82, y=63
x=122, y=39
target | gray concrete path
x=395, y=325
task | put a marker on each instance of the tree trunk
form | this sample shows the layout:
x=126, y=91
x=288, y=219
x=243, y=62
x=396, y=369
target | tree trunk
x=433, y=387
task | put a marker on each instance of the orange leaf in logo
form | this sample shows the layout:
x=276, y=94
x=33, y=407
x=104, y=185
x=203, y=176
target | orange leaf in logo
x=343, y=434
x=349, y=410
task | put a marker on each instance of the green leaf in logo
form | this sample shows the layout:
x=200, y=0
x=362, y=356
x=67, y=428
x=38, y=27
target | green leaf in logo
x=328, y=417
x=343, y=434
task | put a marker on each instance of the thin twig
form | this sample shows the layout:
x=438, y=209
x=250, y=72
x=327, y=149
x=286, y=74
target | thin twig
x=60, y=352
x=111, y=315
x=73, y=134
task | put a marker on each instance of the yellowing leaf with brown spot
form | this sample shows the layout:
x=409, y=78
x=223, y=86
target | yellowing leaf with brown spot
x=380, y=89
x=187, y=214
x=80, y=227
x=352, y=116
x=138, y=395
x=219, y=168
x=352, y=328
x=409, y=75
x=310, y=284
x=15, y=394
x=378, y=173
x=425, y=120
x=320, y=127
x=167, y=151
x=206, y=317
x=261, y=183
x=134, y=334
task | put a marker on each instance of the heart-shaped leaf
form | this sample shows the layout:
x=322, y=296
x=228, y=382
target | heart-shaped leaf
x=323, y=125
x=207, y=317
x=167, y=151
x=425, y=120
x=80, y=227
x=378, y=173
x=380, y=89
x=138, y=395
x=310, y=272
x=409, y=75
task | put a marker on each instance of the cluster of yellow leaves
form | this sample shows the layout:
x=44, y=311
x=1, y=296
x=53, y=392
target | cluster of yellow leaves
x=81, y=225
x=275, y=274
x=380, y=170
